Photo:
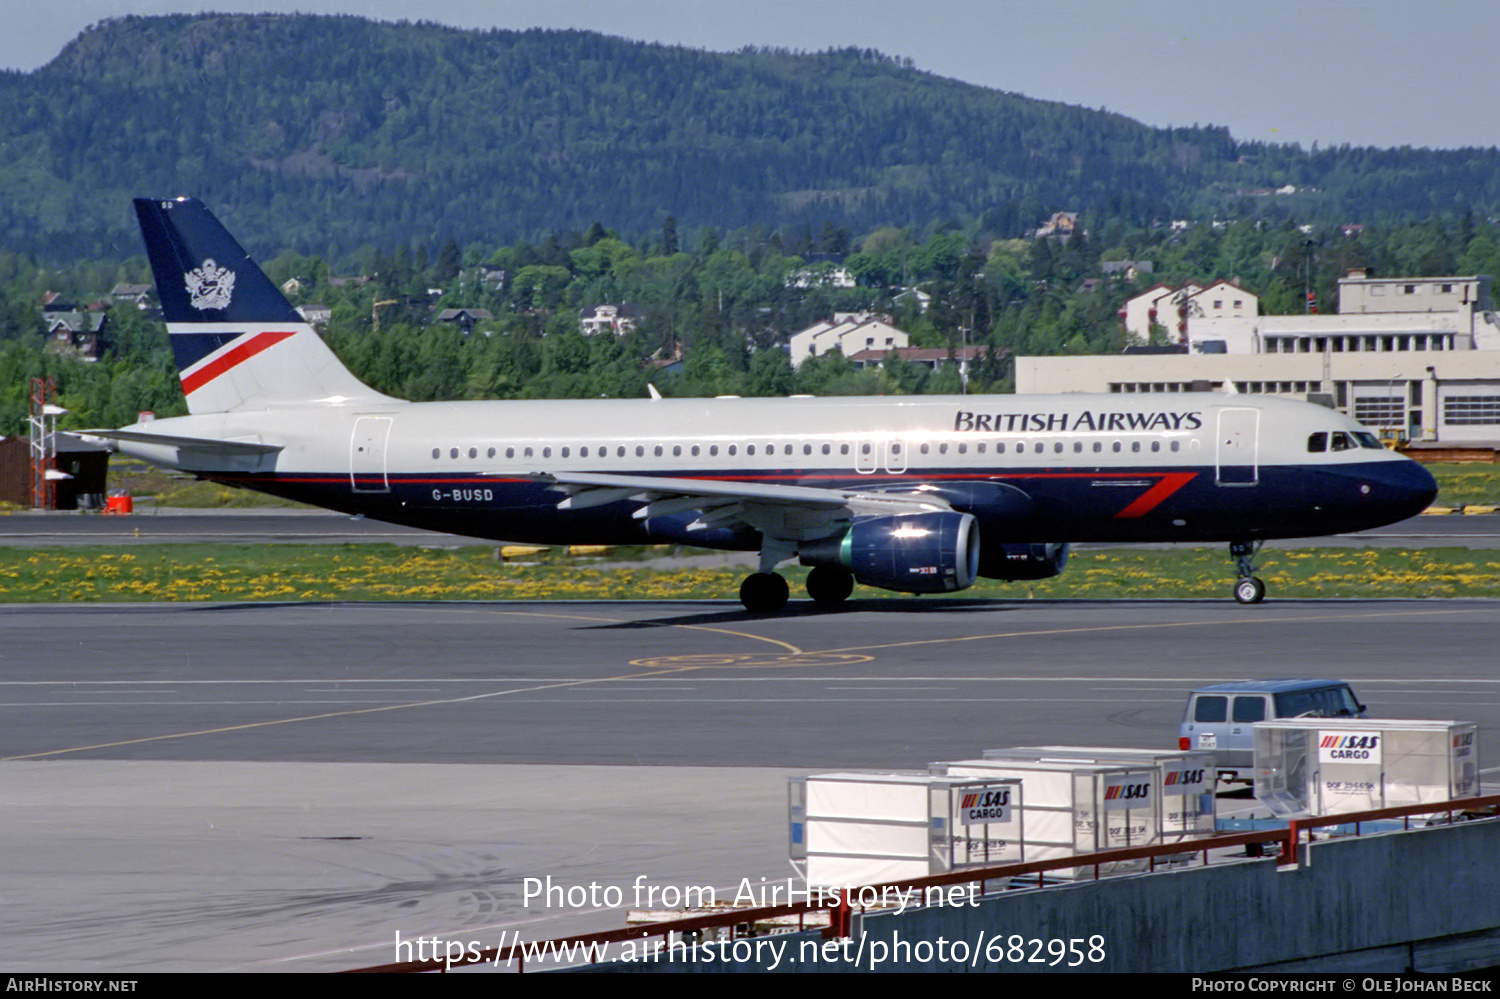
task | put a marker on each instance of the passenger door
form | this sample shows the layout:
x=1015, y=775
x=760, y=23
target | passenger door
x=367, y=454
x=1236, y=446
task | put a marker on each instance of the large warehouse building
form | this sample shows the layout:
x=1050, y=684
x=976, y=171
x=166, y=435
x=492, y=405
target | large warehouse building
x=1421, y=355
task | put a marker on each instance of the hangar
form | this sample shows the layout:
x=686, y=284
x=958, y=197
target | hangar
x=1416, y=355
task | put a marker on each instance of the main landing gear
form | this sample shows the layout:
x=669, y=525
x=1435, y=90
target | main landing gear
x=1248, y=588
x=762, y=592
x=828, y=586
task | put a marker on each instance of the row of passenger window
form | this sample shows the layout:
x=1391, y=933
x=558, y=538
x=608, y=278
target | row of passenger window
x=864, y=448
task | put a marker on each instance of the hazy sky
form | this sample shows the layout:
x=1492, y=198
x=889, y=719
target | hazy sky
x=1364, y=72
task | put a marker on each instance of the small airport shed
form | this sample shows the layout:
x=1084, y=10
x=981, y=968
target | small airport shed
x=86, y=465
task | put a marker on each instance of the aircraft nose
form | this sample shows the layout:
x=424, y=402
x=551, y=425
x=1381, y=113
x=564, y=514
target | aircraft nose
x=1400, y=489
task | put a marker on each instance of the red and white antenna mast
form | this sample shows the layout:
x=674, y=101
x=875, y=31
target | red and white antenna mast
x=42, y=424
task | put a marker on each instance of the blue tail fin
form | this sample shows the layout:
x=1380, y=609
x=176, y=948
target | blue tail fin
x=238, y=342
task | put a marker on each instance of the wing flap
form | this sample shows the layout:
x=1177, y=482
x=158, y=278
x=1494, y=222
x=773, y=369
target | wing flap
x=651, y=487
x=795, y=513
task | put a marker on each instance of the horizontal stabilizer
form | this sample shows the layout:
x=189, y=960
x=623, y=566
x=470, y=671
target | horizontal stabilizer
x=208, y=445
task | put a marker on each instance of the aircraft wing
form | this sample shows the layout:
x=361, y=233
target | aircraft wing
x=799, y=513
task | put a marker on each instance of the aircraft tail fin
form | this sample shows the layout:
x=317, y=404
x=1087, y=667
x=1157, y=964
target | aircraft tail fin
x=238, y=342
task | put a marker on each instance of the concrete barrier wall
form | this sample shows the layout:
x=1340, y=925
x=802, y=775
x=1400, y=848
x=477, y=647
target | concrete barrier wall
x=1426, y=899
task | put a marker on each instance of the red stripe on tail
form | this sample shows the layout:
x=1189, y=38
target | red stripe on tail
x=228, y=360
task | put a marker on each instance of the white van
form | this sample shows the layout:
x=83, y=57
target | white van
x=1221, y=717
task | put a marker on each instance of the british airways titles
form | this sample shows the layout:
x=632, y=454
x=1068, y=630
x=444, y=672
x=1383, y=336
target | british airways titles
x=1023, y=423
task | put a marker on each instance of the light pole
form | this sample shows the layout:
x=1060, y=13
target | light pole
x=1307, y=298
x=1399, y=413
x=963, y=361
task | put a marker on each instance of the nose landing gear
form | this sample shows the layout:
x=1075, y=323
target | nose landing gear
x=1248, y=588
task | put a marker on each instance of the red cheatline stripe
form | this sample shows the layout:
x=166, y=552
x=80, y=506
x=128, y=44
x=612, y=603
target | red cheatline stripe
x=243, y=352
x=1153, y=497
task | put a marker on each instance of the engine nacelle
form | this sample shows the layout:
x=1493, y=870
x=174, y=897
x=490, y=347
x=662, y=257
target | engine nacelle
x=1018, y=561
x=916, y=553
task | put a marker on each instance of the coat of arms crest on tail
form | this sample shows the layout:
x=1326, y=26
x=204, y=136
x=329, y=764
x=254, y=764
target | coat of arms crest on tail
x=210, y=286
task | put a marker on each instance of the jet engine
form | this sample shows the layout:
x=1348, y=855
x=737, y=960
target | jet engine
x=917, y=553
x=1021, y=561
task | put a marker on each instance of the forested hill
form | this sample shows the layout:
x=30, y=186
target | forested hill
x=327, y=133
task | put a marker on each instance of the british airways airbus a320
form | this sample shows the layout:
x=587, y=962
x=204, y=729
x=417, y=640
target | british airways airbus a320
x=916, y=494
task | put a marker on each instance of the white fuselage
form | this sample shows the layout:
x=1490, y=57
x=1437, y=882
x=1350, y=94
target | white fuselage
x=1093, y=455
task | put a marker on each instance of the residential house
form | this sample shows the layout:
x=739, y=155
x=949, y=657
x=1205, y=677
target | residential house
x=849, y=332
x=1130, y=270
x=138, y=295
x=1223, y=314
x=927, y=357
x=83, y=334
x=315, y=315
x=1061, y=224
x=465, y=319
x=821, y=275
x=617, y=319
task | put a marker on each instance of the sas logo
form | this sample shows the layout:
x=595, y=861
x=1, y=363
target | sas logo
x=986, y=799
x=1184, y=778
x=1127, y=793
x=1349, y=747
x=978, y=807
x=210, y=286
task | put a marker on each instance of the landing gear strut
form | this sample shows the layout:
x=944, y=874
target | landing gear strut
x=1248, y=588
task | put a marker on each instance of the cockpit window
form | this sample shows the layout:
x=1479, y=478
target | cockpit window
x=1340, y=442
x=1369, y=440
x=1318, y=442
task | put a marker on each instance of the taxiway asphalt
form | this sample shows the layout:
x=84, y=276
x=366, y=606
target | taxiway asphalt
x=883, y=683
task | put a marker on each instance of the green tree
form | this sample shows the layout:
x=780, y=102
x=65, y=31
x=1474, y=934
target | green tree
x=448, y=262
x=770, y=374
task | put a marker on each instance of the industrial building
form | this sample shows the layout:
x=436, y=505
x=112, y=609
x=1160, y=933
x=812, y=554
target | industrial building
x=1416, y=355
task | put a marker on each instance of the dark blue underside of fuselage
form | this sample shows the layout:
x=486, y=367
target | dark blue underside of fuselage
x=1037, y=505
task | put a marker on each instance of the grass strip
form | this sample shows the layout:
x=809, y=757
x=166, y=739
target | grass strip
x=190, y=572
